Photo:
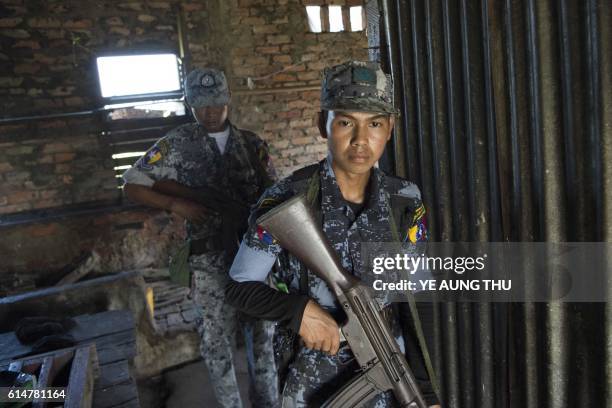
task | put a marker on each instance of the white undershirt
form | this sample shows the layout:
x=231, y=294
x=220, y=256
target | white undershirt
x=221, y=138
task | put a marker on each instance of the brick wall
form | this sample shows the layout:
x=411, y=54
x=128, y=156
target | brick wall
x=275, y=49
x=47, y=66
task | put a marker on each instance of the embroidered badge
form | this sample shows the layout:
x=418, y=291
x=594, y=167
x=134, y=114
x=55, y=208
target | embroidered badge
x=153, y=156
x=264, y=236
x=418, y=231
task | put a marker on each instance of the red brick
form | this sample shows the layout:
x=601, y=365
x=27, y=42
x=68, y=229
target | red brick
x=43, y=230
x=10, y=22
x=300, y=123
x=289, y=114
x=47, y=203
x=26, y=69
x=44, y=23
x=253, y=21
x=307, y=76
x=62, y=168
x=275, y=125
x=47, y=194
x=10, y=209
x=18, y=197
x=283, y=59
x=57, y=147
x=284, y=77
x=302, y=140
x=72, y=24
x=192, y=6
x=265, y=29
x=268, y=50
x=278, y=39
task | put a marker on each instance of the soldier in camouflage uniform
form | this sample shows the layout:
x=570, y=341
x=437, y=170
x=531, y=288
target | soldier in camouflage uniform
x=213, y=153
x=355, y=202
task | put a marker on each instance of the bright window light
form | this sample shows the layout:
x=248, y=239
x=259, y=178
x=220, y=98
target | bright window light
x=314, y=18
x=124, y=167
x=356, y=18
x=138, y=74
x=335, y=19
x=127, y=155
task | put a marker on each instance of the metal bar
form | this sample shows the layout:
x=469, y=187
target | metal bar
x=451, y=359
x=411, y=165
x=393, y=65
x=416, y=68
x=466, y=354
x=594, y=119
x=438, y=355
x=433, y=125
x=452, y=131
x=494, y=200
x=571, y=188
x=470, y=150
x=535, y=120
x=514, y=136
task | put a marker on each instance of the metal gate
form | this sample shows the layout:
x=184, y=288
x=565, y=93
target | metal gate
x=506, y=125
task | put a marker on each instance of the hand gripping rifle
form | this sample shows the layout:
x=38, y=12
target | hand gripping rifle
x=383, y=366
x=233, y=213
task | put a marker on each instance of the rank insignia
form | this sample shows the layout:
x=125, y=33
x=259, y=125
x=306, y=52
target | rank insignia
x=264, y=236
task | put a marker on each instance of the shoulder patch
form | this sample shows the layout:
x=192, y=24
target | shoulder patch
x=417, y=232
x=154, y=154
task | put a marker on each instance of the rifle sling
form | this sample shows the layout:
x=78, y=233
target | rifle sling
x=415, y=317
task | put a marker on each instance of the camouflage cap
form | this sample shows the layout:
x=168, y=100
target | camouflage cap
x=206, y=87
x=357, y=86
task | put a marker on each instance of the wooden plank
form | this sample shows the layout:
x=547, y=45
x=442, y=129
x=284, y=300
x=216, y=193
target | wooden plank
x=113, y=374
x=98, y=328
x=135, y=403
x=115, y=396
x=102, y=324
x=80, y=383
x=44, y=379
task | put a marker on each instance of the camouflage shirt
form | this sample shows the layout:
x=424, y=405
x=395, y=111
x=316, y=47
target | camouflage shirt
x=344, y=229
x=192, y=158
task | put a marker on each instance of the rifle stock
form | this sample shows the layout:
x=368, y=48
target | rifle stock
x=383, y=365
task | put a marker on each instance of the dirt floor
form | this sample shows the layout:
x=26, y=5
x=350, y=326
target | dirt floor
x=188, y=386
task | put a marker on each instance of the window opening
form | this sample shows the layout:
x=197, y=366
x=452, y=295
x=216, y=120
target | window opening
x=314, y=18
x=335, y=19
x=356, y=18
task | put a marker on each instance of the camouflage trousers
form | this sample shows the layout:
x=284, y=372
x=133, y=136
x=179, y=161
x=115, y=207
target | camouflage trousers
x=315, y=376
x=217, y=327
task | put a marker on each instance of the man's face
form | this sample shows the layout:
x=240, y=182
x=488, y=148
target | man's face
x=356, y=140
x=211, y=117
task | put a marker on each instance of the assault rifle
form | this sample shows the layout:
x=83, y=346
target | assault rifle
x=383, y=366
x=234, y=214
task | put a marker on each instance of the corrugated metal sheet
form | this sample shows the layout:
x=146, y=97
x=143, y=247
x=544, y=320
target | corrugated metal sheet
x=506, y=124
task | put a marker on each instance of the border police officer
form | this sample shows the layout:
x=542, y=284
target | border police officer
x=356, y=202
x=212, y=153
